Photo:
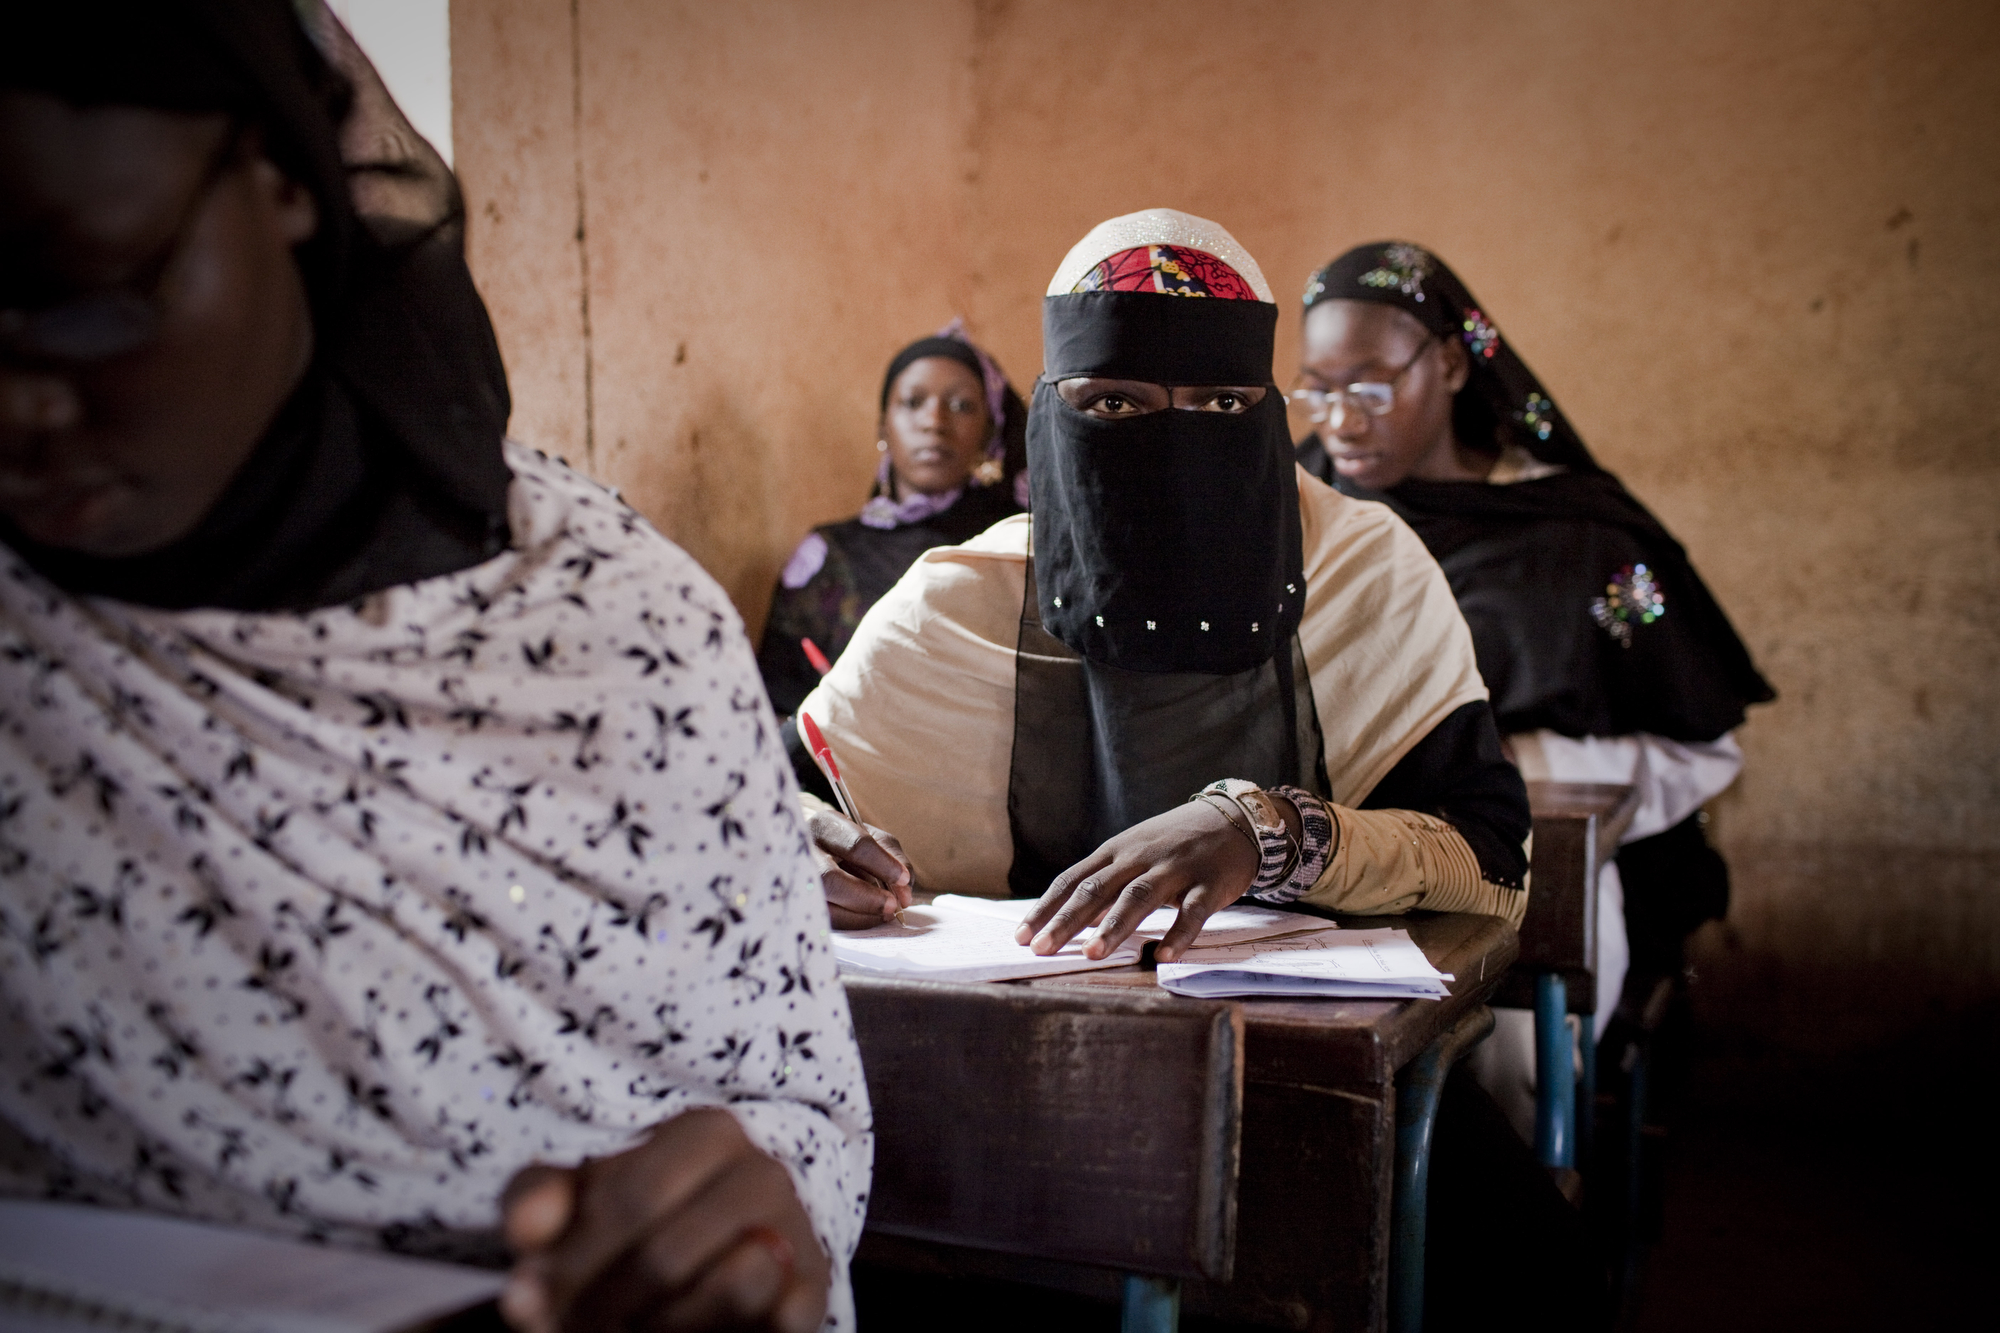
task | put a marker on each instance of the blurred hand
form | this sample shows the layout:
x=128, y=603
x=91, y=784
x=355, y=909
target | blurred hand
x=1190, y=855
x=693, y=1229
x=866, y=877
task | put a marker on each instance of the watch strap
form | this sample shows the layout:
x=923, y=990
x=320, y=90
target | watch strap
x=1277, y=851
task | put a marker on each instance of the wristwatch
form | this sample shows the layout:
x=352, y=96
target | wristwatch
x=1277, y=850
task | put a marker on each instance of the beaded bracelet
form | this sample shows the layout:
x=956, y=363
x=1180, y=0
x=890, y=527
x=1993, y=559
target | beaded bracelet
x=1316, y=845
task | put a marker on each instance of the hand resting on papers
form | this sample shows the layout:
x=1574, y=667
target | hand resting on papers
x=1190, y=856
x=693, y=1229
x=866, y=877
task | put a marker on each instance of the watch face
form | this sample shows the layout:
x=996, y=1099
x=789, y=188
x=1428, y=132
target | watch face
x=1263, y=810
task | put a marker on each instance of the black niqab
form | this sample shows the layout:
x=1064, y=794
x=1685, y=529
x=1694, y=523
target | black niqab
x=1167, y=542
x=385, y=466
x=1157, y=650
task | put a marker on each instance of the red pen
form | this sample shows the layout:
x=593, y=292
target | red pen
x=815, y=656
x=823, y=753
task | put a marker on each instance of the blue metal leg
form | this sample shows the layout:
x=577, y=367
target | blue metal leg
x=1152, y=1305
x=1416, y=1115
x=1586, y=1095
x=1555, y=1074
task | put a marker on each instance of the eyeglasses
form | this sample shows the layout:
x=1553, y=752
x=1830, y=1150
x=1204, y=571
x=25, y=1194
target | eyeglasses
x=116, y=320
x=1375, y=397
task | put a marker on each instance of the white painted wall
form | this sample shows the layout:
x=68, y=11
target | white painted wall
x=410, y=43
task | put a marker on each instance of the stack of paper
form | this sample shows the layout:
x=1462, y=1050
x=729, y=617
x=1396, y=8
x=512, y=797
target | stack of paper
x=1352, y=964
x=958, y=938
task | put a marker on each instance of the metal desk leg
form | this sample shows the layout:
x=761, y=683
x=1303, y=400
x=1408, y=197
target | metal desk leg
x=1586, y=1096
x=1416, y=1115
x=1152, y=1305
x=1555, y=1073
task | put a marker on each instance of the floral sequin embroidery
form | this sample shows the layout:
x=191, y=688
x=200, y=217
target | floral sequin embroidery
x=1633, y=597
x=1403, y=267
x=1538, y=414
x=1481, y=338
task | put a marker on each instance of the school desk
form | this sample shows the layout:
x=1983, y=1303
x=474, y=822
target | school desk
x=1333, y=1100
x=1577, y=829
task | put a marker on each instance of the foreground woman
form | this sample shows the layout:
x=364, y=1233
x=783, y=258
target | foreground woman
x=344, y=748
x=1608, y=659
x=951, y=439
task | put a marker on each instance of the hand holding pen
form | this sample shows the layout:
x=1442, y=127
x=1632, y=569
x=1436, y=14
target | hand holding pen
x=863, y=871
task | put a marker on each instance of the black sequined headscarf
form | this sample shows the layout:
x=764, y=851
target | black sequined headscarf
x=385, y=466
x=1502, y=401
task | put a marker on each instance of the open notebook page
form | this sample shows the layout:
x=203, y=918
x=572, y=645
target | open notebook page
x=960, y=938
x=70, y=1266
x=944, y=941
x=1237, y=924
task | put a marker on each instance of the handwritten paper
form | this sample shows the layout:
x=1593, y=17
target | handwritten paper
x=1350, y=964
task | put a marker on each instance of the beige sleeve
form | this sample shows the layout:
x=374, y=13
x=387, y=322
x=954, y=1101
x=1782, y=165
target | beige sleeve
x=1386, y=862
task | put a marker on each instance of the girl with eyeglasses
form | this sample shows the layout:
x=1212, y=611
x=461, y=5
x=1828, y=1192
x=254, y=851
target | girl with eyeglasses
x=1607, y=657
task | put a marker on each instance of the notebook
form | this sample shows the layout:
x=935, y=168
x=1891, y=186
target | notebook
x=66, y=1267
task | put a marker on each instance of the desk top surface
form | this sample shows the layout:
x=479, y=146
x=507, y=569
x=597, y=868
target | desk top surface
x=1612, y=804
x=1359, y=1040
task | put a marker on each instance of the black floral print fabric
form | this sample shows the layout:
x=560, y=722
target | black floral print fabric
x=330, y=922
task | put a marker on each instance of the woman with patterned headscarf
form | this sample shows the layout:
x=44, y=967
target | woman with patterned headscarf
x=1607, y=657
x=394, y=848
x=1189, y=674
x=953, y=453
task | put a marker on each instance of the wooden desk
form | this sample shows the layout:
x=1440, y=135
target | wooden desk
x=1319, y=1133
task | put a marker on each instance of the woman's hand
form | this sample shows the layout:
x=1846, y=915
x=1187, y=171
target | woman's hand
x=693, y=1229
x=866, y=877
x=1190, y=855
